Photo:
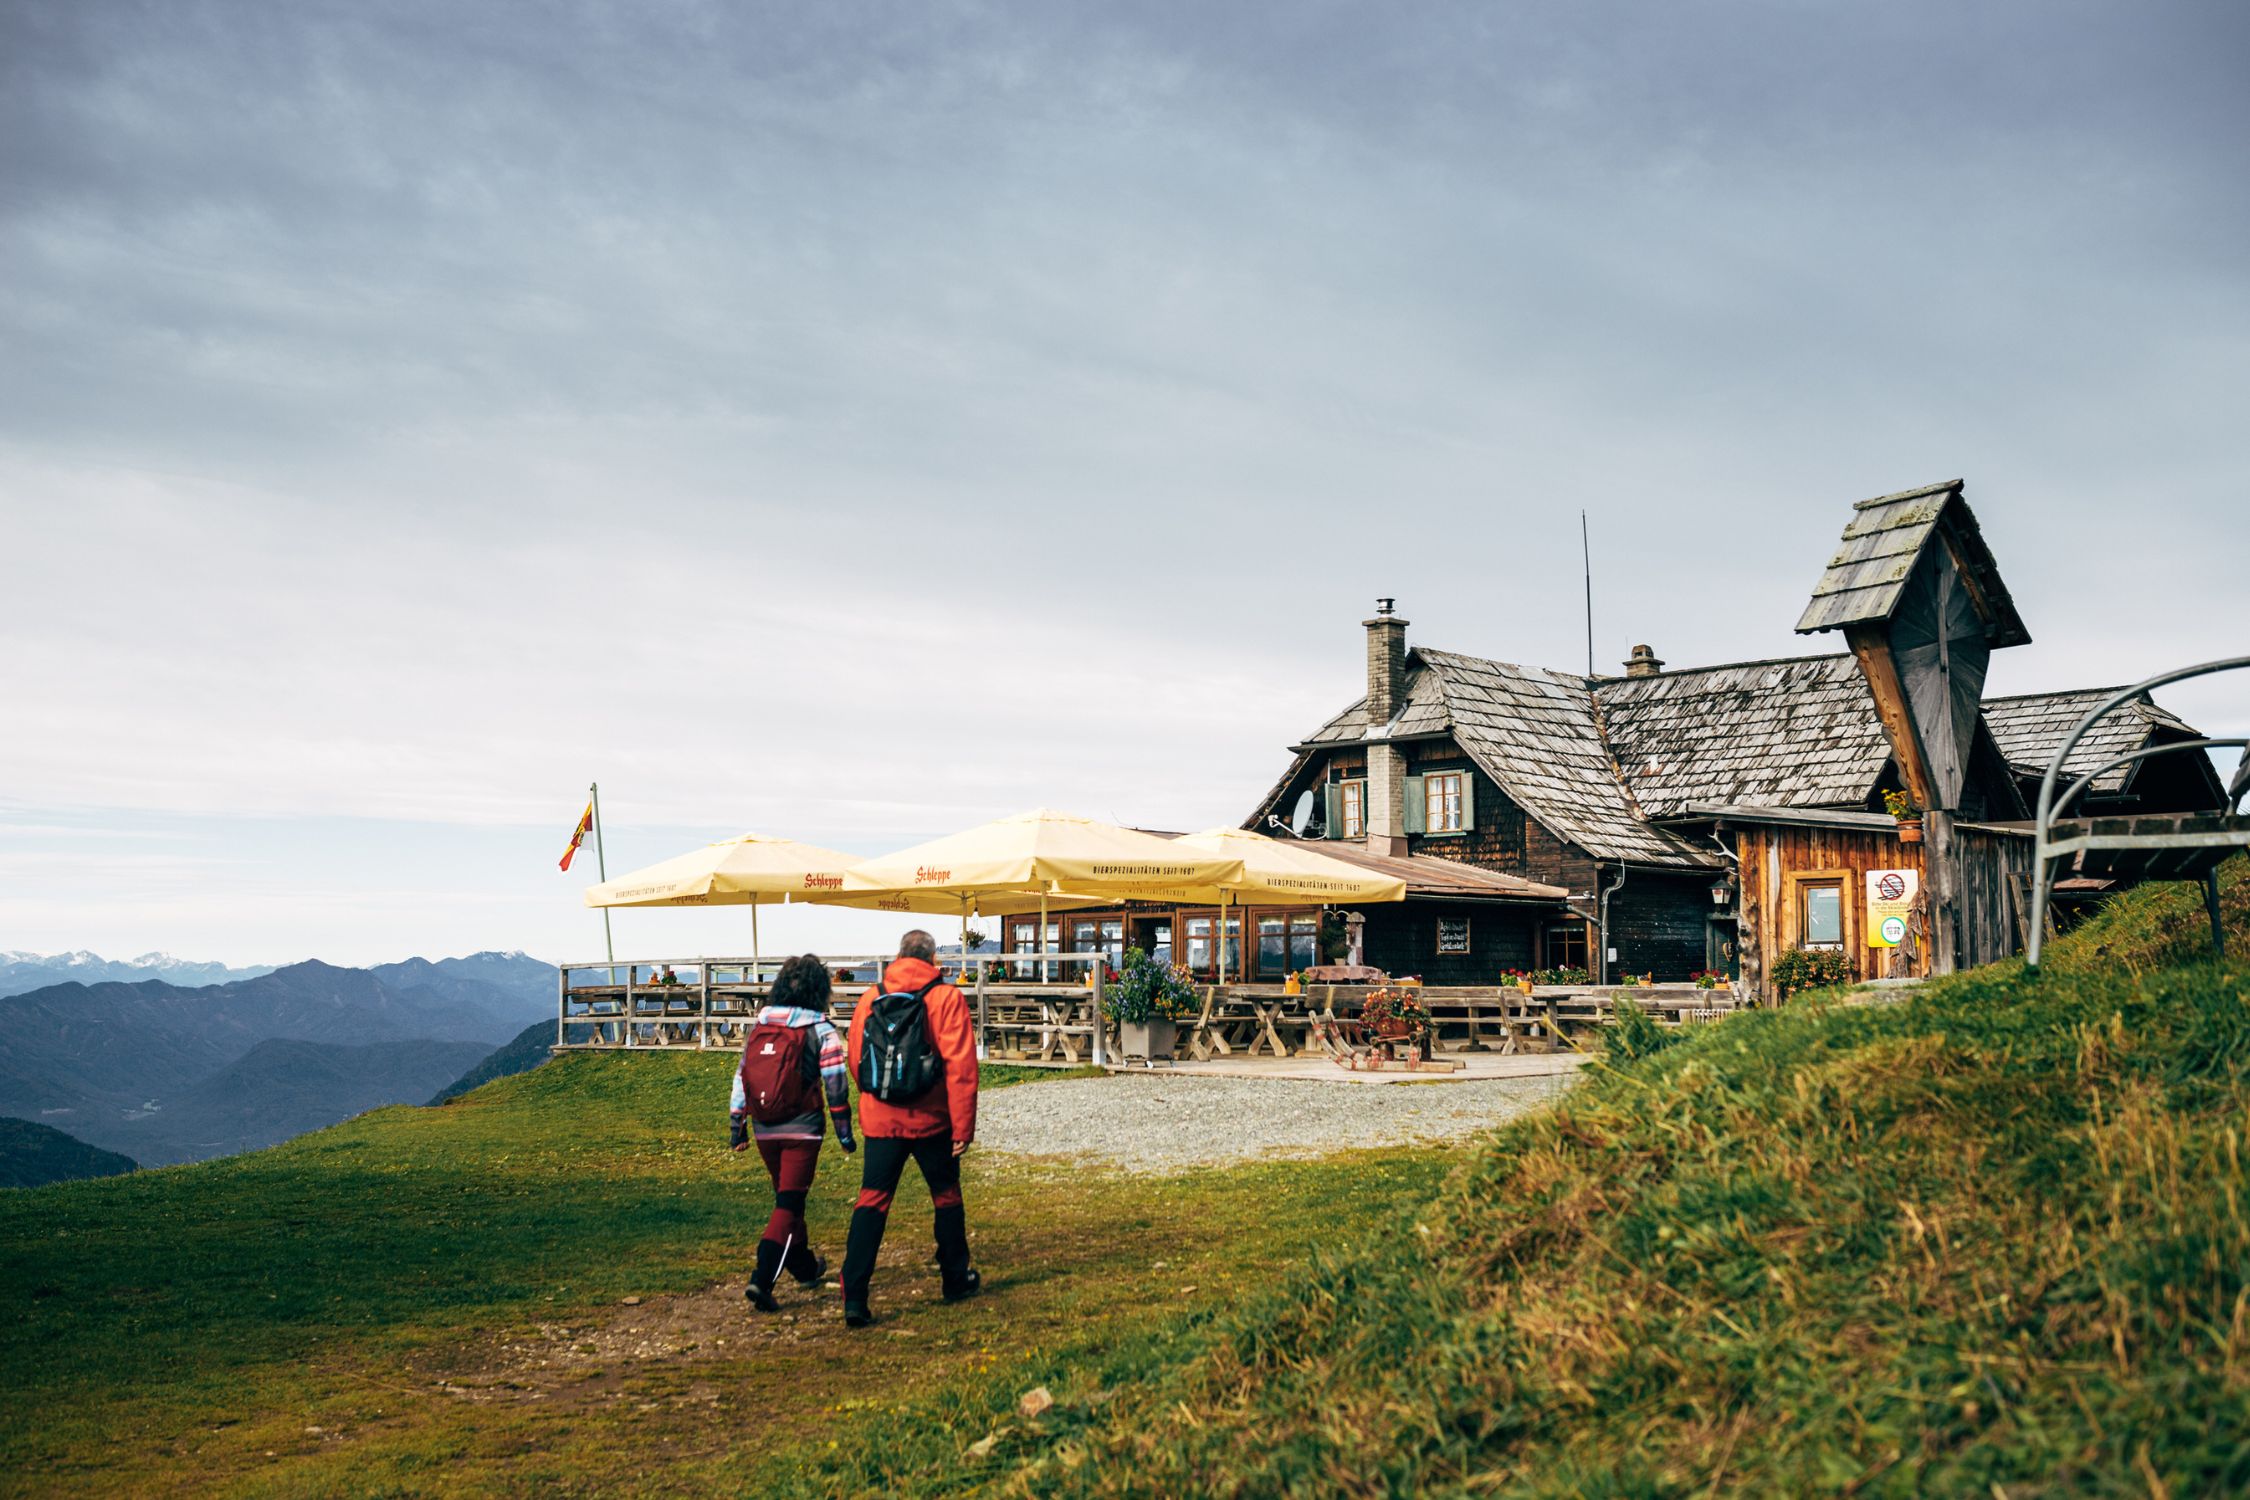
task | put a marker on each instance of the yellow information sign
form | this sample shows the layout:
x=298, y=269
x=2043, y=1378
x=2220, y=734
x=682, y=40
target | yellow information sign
x=1890, y=901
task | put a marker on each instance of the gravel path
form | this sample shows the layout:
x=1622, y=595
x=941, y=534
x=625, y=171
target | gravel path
x=1160, y=1125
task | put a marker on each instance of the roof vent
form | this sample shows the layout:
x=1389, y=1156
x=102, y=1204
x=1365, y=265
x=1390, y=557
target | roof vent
x=1643, y=663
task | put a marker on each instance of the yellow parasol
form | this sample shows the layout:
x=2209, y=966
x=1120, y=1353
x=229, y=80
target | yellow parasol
x=1060, y=859
x=750, y=871
x=1275, y=871
x=1045, y=853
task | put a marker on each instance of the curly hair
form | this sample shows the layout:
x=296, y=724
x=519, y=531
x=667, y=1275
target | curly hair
x=802, y=982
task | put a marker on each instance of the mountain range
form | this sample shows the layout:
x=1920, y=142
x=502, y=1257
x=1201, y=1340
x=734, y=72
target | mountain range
x=167, y=1073
x=31, y=971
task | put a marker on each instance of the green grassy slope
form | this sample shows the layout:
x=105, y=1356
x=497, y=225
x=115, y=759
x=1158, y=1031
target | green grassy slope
x=1993, y=1241
x=305, y=1319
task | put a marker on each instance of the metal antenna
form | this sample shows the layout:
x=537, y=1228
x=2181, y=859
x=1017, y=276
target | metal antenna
x=1586, y=550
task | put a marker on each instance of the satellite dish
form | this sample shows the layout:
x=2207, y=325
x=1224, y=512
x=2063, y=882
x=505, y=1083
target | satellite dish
x=1301, y=819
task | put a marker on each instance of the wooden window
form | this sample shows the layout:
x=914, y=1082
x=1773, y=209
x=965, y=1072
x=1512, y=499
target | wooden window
x=1816, y=910
x=1453, y=934
x=1442, y=804
x=1198, y=957
x=1564, y=944
x=1286, y=943
x=1353, y=814
x=1820, y=913
x=1104, y=935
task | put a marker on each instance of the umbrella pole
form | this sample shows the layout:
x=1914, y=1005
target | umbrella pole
x=755, y=952
x=1093, y=981
x=983, y=1005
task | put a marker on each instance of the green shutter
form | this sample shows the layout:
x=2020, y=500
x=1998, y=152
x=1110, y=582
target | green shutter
x=1415, y=817
x=1333, y=804
x=1468, y=800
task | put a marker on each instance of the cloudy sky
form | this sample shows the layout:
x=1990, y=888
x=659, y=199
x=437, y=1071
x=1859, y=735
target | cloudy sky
x=852, y=422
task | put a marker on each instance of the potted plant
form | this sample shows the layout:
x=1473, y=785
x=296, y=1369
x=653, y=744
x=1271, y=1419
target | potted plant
x=1395, y=1016
x=1901, y=806
x=1515, y=979
x=1709, y=979
x=1802, y=969
x=1148, y=999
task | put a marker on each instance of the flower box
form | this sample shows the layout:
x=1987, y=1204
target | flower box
x=1152, y=1040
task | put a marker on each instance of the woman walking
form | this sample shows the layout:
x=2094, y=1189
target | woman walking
x=792, y=1067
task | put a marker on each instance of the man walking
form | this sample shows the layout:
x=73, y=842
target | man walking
x=913, y=1050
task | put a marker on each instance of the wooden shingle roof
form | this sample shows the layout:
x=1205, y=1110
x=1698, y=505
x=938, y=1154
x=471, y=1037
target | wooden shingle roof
x=2030, y=728
x=1887, y=536
x=1427, y=875
x=1799, y=732
x=1535, y=733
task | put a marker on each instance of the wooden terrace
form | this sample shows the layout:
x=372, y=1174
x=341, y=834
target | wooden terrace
x=1053, y=1023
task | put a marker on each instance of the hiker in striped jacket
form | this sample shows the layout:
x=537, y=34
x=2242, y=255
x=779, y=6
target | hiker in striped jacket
x=792, y=1068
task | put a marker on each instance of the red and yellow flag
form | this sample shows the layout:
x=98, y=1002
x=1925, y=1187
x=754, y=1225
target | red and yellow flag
x=578, y=835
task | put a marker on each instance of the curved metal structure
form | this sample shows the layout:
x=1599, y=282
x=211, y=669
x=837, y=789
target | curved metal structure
x=2047, y=849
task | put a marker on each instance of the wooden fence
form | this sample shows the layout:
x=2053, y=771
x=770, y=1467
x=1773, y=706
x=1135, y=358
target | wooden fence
x=711, y=1006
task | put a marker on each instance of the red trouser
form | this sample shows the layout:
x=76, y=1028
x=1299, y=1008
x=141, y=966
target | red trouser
x=790, y=1163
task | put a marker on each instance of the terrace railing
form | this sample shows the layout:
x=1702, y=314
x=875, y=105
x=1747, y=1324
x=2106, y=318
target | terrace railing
x=2165, y=847
x=1063, y=1020
x=607, y=1006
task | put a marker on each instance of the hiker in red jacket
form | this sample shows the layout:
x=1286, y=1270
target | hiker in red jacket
x=913, y=1050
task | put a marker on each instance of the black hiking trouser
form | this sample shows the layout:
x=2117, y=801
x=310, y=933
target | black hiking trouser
x=882, y=1162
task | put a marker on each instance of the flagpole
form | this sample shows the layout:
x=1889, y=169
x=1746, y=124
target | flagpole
x=601, y=865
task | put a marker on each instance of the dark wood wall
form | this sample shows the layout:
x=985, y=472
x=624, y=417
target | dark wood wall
x=1402, y=939
x=1659, y=924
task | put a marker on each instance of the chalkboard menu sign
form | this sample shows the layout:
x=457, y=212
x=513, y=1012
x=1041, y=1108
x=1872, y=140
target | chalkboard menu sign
x=1453, y=935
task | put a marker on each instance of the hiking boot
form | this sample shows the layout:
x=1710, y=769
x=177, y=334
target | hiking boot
x=963, y=1289
x=760, y=1289
x=814, y=1276
x=856, y=1315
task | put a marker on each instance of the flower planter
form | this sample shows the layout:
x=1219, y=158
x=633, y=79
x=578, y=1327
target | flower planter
x=1151, y=1040
x=1910, y=833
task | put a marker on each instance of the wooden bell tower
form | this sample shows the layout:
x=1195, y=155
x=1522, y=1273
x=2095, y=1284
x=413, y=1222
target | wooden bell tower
x=1919, y=599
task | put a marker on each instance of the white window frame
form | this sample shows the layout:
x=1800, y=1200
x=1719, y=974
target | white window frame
x=1441, y=814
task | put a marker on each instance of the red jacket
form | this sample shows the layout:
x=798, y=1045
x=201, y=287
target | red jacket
x=948, y=1109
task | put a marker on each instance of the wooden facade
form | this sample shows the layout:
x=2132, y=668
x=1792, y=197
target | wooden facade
x=1780, y=864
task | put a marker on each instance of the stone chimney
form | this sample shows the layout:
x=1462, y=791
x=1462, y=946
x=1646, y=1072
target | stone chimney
x=1386, y=693
x=1643, y=663
x=1386, y=662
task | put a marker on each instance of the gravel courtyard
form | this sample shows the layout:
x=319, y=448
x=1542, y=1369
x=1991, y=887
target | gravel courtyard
x=1160, y=1124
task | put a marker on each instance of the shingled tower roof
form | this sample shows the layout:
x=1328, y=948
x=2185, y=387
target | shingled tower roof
x=1887, y=536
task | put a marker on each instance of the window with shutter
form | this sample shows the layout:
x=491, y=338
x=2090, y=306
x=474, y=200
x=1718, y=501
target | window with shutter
x=1355, y=809
x=1332, y=811
x=1414, y=803
x=1442, y=802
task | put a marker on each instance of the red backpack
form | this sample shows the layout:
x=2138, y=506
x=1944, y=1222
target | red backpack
x=780, y=1073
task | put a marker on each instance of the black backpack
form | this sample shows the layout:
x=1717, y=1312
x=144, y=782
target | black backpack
x=898, y=1062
